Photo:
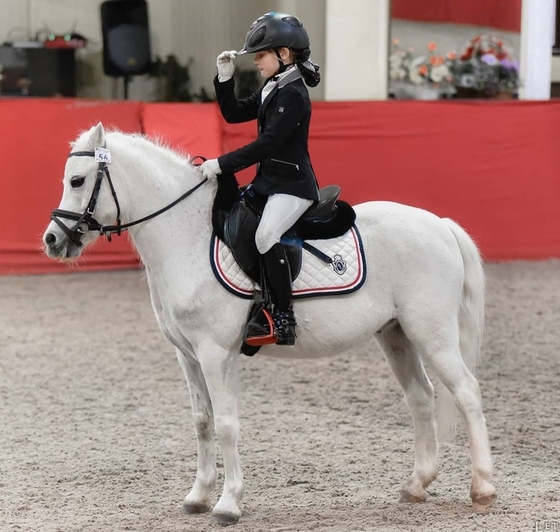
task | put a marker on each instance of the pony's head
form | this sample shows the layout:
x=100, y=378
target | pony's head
x=86, y=200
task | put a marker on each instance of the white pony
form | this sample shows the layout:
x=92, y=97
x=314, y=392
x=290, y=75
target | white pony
x=423, y=300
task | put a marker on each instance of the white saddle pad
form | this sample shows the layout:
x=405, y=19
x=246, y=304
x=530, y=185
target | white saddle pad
x=346, y=273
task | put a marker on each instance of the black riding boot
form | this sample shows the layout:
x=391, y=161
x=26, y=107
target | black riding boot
x=279, y=279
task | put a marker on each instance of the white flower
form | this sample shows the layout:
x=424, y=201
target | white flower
x=395, y=60
x=439, y=73
x=467, y=80
x=397, y=74
x=414, y=75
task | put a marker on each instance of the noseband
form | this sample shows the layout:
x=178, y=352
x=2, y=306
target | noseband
x=76, y=233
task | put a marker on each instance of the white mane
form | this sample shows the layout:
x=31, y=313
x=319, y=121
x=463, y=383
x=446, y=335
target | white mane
x=157, y=143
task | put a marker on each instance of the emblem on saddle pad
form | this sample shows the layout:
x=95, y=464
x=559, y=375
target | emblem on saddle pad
x=339, y=265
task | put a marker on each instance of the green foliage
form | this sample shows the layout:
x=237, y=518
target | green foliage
x=246, y=82
x=177, y=81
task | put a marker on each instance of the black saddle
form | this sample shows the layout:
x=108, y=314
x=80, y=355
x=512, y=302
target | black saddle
x=236, y=213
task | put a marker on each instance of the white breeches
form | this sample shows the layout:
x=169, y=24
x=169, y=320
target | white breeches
x=280, y=213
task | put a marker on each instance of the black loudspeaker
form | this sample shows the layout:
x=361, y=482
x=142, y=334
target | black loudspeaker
x=126, y=38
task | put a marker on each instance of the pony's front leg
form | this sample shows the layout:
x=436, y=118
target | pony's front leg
x=221, y=373
x=198, y=500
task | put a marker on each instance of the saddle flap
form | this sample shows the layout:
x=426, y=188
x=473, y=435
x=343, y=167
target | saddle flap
x=240, y=227
x=239, y=234
x=325, y=209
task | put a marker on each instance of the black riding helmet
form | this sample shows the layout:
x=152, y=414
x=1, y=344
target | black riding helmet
x=276, y=30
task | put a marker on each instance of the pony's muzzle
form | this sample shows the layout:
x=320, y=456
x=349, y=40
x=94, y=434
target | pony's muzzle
x=59, y=247
x=50, y=239
x=53, y=247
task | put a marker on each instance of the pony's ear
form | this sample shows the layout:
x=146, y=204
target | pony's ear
x=97, y=137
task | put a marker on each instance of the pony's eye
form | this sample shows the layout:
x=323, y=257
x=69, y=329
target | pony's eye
x=77, y=182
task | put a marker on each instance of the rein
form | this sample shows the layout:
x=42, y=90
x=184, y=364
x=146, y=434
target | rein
x=76, y=232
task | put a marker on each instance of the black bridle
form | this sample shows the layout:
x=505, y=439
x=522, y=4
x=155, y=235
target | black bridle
x=76, y=233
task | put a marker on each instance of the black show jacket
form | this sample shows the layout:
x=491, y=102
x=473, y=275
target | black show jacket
x=281, y=146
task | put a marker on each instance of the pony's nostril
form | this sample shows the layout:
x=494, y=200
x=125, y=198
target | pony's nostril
x=50, y=239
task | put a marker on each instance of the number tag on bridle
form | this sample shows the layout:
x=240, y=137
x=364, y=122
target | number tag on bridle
x=102, y=155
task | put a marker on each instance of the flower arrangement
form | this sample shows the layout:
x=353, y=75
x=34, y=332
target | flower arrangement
x=486, y=67
x=415, y=73
x=427, y=68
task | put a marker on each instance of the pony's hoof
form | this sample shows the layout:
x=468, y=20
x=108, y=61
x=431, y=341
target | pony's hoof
x=225, y=518
x=195, y=508
x=483, y=495
x=407, y=497
x=484, y=502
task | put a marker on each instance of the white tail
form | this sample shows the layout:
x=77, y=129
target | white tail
x=471, y=323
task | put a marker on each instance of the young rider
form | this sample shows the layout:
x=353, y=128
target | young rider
x=282, y=109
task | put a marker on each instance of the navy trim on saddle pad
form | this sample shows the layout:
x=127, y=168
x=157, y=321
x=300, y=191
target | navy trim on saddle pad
x=302, y=293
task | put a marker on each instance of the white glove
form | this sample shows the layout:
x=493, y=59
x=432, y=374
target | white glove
x=226, y=65
x=210, y=168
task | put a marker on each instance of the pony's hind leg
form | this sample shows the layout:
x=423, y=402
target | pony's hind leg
x=419, y=395
x=198, y=499
x=438, y=344
x=466, y=391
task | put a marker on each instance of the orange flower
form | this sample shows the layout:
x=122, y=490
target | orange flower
x=423, y=70
x=436, y=60
x=432, y=46
x=451, y=55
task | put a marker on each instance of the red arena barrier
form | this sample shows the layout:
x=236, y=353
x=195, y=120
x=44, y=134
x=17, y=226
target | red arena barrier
x=35, y=136
x=491, y=166
x=485, y=13
x=194, y=128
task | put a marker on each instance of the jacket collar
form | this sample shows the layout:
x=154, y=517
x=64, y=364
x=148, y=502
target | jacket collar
x=283, y=80
x=290, y=76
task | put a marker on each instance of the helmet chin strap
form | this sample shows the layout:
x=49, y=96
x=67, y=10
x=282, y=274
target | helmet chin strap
x=283, y=66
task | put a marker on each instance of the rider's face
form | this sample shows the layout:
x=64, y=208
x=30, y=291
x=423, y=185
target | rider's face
x=267, y=62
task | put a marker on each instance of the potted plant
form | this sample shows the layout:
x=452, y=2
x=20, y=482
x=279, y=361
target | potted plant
x=485, y=69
